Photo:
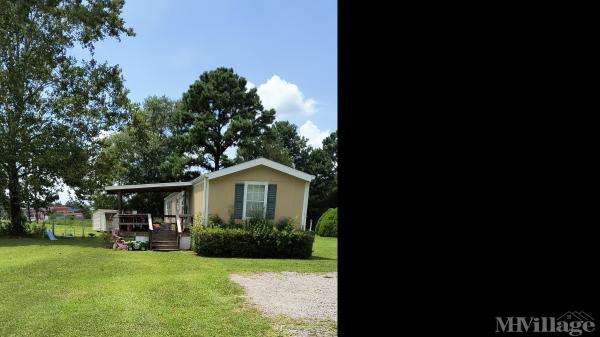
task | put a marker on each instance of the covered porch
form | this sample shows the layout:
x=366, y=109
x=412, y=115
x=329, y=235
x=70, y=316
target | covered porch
x=173, y=233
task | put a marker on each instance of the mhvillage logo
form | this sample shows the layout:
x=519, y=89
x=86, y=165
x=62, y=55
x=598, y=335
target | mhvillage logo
x=575, y=323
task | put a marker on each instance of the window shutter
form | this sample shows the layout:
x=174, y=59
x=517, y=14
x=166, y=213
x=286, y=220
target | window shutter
x=271, y=196
x=238, y=202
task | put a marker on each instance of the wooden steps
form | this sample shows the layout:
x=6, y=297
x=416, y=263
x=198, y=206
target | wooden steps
x=164, y=241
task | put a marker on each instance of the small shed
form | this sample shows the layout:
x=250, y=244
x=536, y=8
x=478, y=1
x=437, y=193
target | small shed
x=102, y=219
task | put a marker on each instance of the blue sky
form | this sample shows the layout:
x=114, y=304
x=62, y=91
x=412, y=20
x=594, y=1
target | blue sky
x=286, y=48
x=177, y=40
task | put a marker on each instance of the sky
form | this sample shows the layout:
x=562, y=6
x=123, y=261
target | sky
x=287, y=49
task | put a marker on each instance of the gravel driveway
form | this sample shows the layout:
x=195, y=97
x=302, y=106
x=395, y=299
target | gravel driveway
x=297, y=295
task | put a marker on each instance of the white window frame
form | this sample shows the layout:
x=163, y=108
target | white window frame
x=246, y=183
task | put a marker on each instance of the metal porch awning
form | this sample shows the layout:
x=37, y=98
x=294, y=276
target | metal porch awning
x=159, y=187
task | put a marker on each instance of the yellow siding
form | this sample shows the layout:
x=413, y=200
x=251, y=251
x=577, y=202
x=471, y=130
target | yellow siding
x=190, y=195
x=197, y=199
x=289, y=199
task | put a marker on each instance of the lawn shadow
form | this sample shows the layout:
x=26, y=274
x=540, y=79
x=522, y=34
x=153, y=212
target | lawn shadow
x=320, y=258
x=7, y=241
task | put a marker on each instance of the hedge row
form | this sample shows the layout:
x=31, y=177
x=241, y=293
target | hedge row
x=236, y=242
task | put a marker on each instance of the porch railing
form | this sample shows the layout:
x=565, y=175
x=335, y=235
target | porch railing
x=179, y=231
x=133, y=223
x=151, y=228
x=185, y=221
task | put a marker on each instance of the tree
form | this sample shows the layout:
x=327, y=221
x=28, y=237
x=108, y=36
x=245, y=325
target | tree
x=322, y=163
x=52, y=105
x=141, y=154
x=321, y=166
x=330, y=146
x=101, y=200
x=217, y=112
x=38, y=191
x=281, y=143
x=3, y=198
x=82, y=207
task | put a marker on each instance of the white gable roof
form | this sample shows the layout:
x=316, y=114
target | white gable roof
x=257, y=162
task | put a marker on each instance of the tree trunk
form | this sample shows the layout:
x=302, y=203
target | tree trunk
x=28, y=213
x=217, y=160
x=14, y=203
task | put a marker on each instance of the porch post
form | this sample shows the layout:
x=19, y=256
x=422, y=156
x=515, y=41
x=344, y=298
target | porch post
x=120, y=201
x=186, y=202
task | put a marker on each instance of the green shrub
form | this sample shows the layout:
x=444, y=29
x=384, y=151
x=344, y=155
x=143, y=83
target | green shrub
x=4, y=227
x=327, y=224
x=107, y=241
x=232, y=221
x=198, y=220
x=215, y=221
x=257, y=224
x=256, y=243
x=285, y=224
x=35, y=229
x=137, y=245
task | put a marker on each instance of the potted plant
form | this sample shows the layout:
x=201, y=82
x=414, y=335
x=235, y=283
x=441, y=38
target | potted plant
x=137, y=245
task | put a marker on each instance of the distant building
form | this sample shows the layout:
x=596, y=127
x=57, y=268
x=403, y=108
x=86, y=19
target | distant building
x=64, y=211
x=34, y=215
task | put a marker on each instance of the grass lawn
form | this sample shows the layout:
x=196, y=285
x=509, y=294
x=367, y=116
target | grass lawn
x=78, y=288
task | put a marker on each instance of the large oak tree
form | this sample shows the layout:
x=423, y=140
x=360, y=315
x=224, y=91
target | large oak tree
x=143, y=152
x=54, y=106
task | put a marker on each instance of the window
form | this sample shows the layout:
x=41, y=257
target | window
x=255, y=199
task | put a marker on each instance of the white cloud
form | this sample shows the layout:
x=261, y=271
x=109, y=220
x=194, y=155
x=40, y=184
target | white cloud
x=286, y=98
x=313, y=133
x=65, y=193
x=231, y=152
x=105, y=133
x=250, y=85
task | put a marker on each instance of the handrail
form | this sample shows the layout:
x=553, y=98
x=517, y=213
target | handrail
x=150, y=230
x=178, y=225
x=178, y=230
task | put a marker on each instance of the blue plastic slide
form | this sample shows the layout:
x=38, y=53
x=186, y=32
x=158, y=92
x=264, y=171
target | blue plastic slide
x=50, y=235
